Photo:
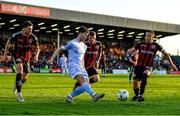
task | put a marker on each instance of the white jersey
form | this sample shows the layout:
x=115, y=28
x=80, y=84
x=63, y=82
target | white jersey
x=76, y=52
x=63, y=62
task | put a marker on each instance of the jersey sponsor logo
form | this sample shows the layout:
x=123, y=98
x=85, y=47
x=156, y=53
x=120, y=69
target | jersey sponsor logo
x=92, y=52
x=147, y=52
x=143, y=45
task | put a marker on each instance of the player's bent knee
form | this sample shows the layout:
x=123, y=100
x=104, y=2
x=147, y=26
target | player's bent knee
x=19, y=68
x=144, y=83
x=147, y=73
x=96, y=78
x=135, y=83
x=80, y=79
x=25, y=76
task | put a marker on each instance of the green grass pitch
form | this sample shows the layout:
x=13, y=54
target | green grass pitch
x=45, y=94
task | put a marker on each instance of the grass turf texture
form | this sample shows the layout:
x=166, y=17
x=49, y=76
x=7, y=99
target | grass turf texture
x=45, y=95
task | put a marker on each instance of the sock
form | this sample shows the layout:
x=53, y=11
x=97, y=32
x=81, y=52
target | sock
x=78, y=90
x=76, y=85
x=136, y=91
x=91, y=80
x=143, y=84
x=18, y=82
x=23, y=81
x=19, y=94
x=130, y=76
x=88, y=88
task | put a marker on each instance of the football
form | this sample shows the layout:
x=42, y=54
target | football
x=123, y=94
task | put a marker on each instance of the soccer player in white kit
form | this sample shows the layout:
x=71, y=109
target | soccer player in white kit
x=76, y=51
x=63, y=64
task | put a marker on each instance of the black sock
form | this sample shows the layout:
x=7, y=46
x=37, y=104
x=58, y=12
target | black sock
x=76, y=85
x=143, y=84
x=23, y=81
x=18, y=82
x=91, y=80
x=136, y=91
x=130, y=76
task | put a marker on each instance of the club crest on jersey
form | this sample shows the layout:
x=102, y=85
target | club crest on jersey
x=30, y=41
x=97, y=46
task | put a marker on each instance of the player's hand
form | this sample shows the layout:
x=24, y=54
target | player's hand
x=97, y=65
x=50, y=61
x=174, y=68
x=5, y=58
x=130, y=51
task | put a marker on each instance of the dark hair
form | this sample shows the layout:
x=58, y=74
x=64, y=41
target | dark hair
x=83, y=29
x=92, y=33
x=151, y=32
x=27, y=23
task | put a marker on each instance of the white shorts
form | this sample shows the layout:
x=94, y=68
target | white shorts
x=75, y=70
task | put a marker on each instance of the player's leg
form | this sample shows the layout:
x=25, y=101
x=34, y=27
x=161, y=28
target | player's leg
x=76, y=91
x=130, y=74
x=104, y=74
x=24, y=78
x=26, y=69
x=86, y=86
x=104, y=70
x=143, y=84
x=93, y=74
x=83, y=86
x=136, y=89
x=63, y=69
x=18, y=81
x=94, y=78
x=83, y=80
x=136, y=80
x=76, y=85
x=66, y=70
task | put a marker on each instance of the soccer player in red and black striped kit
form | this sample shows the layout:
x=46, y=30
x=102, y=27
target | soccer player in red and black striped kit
x=146, y=52
x=23, y=42
x=92, y=57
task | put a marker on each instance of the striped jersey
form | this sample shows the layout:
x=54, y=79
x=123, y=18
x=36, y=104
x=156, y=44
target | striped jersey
x=23, y=45
x=147, y=52
x=93, y=53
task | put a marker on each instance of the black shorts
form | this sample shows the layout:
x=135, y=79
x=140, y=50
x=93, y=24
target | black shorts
x=139, y=72
x=92, y=71
x=26, y=66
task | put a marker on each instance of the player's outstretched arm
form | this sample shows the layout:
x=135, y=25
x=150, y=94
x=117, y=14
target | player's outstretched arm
x=37, y=53
x=167, y=56
x=56, y=52
x=6, y=50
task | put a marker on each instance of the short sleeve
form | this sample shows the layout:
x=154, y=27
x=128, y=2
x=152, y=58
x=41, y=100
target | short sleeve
x=67, y=45
x=160, y=48
x=137, y=46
